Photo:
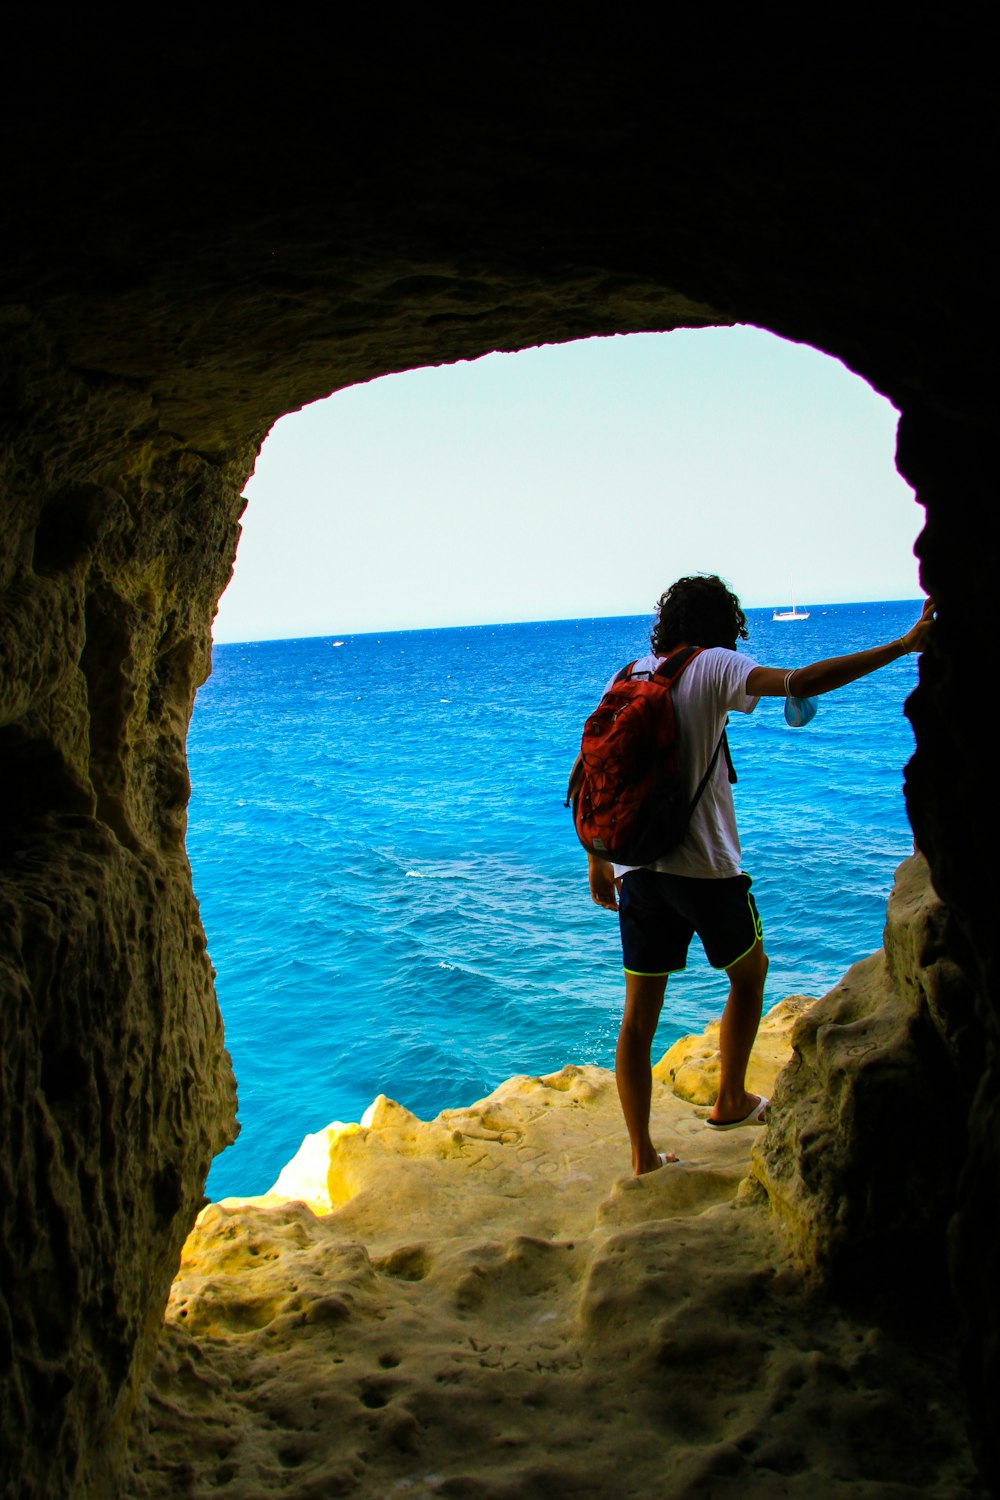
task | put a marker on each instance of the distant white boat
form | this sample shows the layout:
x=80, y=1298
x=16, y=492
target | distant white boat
x=790, y=614
x=336, y=643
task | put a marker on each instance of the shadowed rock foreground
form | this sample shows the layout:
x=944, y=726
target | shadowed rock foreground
x=482, y=1305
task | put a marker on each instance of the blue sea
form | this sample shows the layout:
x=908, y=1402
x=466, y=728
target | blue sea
x=394, y=897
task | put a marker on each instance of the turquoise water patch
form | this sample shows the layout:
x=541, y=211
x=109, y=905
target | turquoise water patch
x=394, y=898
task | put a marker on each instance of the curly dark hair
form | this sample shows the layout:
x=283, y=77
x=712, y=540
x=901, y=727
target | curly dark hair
x=698, y=611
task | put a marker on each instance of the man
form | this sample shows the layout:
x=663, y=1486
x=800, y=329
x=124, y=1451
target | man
x=700, y=886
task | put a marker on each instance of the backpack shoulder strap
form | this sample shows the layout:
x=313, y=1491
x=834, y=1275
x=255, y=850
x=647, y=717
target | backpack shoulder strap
x=705, y=779
x=731, y=769
x=574, y=780
x=673, y=665
x=733, y=778
x=624, y=674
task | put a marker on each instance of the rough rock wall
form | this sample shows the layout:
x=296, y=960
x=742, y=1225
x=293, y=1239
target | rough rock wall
x=951, y=800
x=116, y=1090
x=859, y=1170
x=207, y=229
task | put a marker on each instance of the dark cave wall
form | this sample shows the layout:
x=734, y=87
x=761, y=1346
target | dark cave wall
x=951, y=804
x=180, y=269
x=116, y=1089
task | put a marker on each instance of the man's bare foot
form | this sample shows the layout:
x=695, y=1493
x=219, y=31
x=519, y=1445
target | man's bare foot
x=663, y=1158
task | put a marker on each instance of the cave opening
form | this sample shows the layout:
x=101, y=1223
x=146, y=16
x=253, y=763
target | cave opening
x=179, y=270
x=488, y=481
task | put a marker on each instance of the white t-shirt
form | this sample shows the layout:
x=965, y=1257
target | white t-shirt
x=710, y=687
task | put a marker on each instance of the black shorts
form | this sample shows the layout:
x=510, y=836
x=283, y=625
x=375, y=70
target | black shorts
x=659, y=915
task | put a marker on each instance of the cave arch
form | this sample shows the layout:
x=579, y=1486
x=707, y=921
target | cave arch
x=179, y=272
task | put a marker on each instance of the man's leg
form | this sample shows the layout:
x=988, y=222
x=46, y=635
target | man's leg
x=738, y=1030
x=633, y=1073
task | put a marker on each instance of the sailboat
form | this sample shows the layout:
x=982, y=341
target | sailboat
x=790, y=614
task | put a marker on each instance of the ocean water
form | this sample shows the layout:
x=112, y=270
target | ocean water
x=394, y=897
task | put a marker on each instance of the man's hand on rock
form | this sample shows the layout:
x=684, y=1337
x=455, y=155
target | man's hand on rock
x=915, y=638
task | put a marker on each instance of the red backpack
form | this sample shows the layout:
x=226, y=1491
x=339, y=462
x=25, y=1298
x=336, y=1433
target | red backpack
x=627, y=788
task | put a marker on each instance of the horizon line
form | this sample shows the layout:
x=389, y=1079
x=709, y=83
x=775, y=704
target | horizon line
x=346, y=635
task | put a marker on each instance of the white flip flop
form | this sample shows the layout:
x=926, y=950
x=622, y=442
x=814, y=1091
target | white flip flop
x=755, y=1117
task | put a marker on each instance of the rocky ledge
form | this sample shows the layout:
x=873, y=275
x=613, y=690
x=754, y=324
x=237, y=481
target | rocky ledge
x=485, y=1305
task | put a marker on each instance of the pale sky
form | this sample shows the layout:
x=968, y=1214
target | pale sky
x=574, y=481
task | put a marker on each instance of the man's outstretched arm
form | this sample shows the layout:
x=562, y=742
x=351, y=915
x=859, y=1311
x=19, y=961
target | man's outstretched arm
x=837, y=671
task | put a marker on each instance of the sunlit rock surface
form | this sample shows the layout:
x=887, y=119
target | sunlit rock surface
x=484, y=1305
x=691, y=1067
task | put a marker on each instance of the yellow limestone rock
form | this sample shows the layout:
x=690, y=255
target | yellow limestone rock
x=691, y=1065
x=865, y=1059
x=488, y=1305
